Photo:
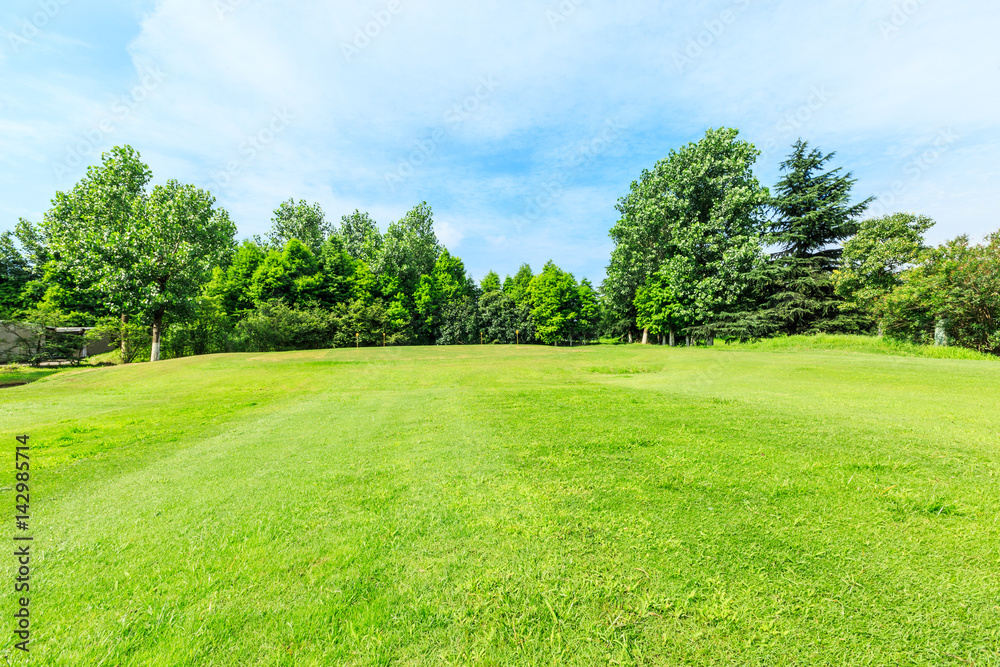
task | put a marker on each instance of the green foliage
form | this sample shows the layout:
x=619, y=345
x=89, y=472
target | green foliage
x=873, y=258
x=459, y=322
x=500, y=319
x=446, y=285
x=588, y=316
x=303, y=221
x=291, y=275
x=517, y=287
x=490, y=283
x=204, y=329
x=361, y=237
x=130, y=335
x=657, y=308
x=370, y=325
x=812, y=214
x=338, y=269
x=143, y=252
x=234, y=284
x=696, y=218
x=956, y=283
x=410, y=248
x=15, y=272
x=555, y=304
x=275, y=326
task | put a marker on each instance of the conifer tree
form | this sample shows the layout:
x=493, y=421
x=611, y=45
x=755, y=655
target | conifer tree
x=812, y=213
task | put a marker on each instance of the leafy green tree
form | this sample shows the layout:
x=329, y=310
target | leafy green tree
x=203, y=327
x=276, y=326
x=15, y=273
x=459, y=322
x=874, y=257
x=291, y=275
x=361, y=236
x=500, y=319
x=490, y=283
x=50, y=286
x=588, y=311
x=697, y=217
x=303, y=221
x=446, y=284
x=954, y=288
x=554, y=297
x=370, y=325
x=410, y=248
x=233, y=285
x=517, y=287
x=812, y=213
x=338, y=269
x=143, y=252
x=657, y=308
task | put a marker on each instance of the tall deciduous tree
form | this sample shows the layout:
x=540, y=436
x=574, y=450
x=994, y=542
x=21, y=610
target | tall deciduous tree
x=517, y=287
x=555, y=303
x=588, y=310
x=361, y=236
x=410, y=248
x=657, y=307
x=696, y=218
x=303, y=221
x=874, y=257
x=446, y=284
x=490, y=283
x=143, y=252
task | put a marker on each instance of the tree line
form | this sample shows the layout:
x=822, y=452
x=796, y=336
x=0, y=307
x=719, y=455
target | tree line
x=702, y=251
x=159, y=268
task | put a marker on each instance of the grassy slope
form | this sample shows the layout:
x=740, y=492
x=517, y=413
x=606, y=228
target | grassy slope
x=619, y=505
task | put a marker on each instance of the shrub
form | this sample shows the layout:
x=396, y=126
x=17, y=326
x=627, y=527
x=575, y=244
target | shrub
x=274, y=326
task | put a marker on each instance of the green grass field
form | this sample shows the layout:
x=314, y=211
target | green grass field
x=791, y=504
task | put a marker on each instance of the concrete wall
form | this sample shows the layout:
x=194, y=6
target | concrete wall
x=16, y=339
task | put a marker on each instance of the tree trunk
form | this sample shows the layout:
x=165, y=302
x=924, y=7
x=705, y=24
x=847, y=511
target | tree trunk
x=687, y=340
x=645, y=335
x=710, y=341
x=124, y=351
x=630, y=336
x=673, y=341
x=157, y=330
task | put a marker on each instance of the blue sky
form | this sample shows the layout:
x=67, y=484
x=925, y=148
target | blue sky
x=520, y=122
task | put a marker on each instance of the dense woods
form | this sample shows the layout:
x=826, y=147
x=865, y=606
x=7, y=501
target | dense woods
x=703, y=251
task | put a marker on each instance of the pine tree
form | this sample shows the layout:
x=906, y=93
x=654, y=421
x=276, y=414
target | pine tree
x=812, y=214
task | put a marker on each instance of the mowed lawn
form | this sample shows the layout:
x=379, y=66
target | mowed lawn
x=607, y=505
